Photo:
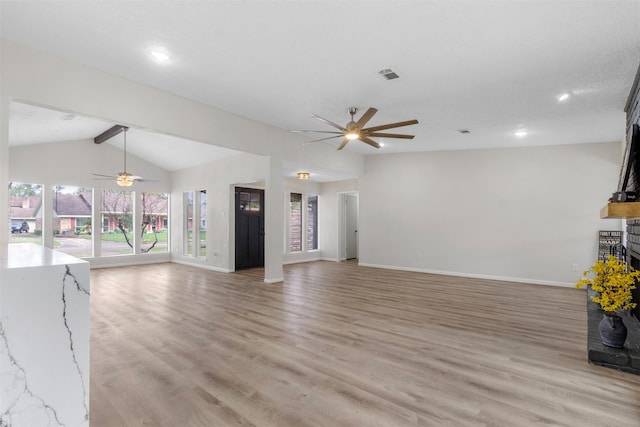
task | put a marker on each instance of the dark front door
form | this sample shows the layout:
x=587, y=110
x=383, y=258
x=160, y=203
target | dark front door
x=249, y=228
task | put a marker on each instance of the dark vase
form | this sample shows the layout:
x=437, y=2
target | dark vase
x=612, y=331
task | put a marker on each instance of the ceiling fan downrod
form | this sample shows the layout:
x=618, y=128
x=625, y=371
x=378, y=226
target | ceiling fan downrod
x=352, y=129
x=125, y=149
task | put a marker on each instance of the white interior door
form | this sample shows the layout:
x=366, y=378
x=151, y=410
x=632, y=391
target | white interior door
x=351, y=225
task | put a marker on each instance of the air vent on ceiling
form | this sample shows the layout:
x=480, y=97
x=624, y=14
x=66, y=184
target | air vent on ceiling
x=388, y=74
x=464, y=131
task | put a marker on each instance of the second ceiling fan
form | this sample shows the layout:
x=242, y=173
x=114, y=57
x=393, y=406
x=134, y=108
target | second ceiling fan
x=124, y=178
x=356, y=130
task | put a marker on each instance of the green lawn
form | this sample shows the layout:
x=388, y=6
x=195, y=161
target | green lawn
x=30, y=238
x=110, y=237
x=119, y=237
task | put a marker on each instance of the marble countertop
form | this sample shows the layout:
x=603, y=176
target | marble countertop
x=21, y=255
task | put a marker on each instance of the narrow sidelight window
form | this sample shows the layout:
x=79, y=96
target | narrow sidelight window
x=295, y=223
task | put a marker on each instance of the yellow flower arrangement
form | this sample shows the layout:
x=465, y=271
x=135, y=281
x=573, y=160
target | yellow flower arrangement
x=614, y=282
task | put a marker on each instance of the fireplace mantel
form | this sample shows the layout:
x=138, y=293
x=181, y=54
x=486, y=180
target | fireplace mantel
x=623, y=210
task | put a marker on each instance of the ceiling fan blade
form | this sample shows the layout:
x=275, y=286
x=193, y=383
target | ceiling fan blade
x=146, y=180
x=391, y=135
x=104, y=176
x=371, y=142
x=366, y=117
x=322, y=139
x=316, y=131
x=390, y=126
x=328, y=122
x=344, y=143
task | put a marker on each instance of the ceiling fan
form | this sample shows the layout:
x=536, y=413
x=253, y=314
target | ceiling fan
x=124, y=178
x=356, y=130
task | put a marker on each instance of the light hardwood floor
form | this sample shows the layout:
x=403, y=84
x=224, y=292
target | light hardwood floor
x=341, y=345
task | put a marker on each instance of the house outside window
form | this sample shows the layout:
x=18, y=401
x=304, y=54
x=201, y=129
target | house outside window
x=72, y=210
x=25, y=203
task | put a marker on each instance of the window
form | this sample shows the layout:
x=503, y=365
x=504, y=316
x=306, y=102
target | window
x=25, y=213
x=195, y=216
x=188, y=223
x=202, y=242
x=68, y=217
x=83, y=226
x=72, y=233
x=117, y=214
x=153, y=230
x=295, y=222
x=250, y=201
x=312, y=222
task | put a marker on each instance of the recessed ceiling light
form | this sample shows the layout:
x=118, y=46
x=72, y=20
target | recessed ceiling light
x=520, y=133
x=563, y=97
x=159, y=55
x=381, y=144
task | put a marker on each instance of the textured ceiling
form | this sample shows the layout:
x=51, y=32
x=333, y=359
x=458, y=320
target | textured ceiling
x=489, y=67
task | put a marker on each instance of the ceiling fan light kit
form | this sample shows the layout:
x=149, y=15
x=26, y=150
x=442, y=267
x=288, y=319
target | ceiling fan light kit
x=356, y=130
x=124, y=179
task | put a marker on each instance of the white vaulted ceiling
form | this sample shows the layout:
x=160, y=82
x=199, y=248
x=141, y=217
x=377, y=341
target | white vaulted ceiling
x=489, y=67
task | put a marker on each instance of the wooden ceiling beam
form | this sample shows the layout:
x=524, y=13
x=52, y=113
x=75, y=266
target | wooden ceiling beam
x=109, y=133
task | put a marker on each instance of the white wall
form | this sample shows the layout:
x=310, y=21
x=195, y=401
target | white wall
x=219, y=179
x=75, y=162
x=524, y=214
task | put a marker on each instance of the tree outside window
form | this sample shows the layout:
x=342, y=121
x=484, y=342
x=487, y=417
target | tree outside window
x=153, y=231
x=117, y=217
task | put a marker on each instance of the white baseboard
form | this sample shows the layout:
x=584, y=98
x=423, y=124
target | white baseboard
x=206, y=267
x=472, y=276
x=124, y=260
x=298, y=261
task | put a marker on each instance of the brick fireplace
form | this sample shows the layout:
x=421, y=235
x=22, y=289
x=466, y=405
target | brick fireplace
x=628, y=358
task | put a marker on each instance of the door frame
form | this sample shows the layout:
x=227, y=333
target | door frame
x=342, y=223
